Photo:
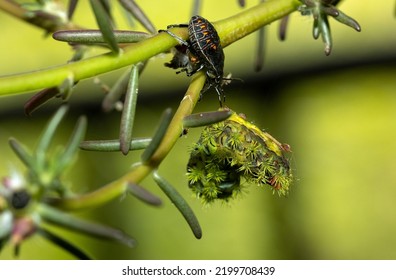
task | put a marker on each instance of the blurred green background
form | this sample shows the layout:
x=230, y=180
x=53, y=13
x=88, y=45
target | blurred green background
x=338, y=114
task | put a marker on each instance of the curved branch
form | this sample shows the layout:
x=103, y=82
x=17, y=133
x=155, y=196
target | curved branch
x=229, y=30
x=119, y=186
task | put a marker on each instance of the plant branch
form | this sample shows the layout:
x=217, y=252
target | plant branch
x=21, y=13
x=240, y=25
x=229, y=30
x=119, y=186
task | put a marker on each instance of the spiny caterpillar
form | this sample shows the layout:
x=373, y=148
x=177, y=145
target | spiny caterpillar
x=232, y=150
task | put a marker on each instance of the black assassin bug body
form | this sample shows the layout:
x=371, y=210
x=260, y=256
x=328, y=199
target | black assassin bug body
x=202, y=50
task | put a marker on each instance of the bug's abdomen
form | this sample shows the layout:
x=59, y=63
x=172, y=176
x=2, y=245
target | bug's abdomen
x=203, y=35
x=205, y=43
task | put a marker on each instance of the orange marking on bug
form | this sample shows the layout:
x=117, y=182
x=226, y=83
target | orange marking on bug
x=193, y=59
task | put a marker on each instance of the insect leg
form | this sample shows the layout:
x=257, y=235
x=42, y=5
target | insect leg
x=177, y=25
x=192, y=72
x=180, y=40
x=221, y=95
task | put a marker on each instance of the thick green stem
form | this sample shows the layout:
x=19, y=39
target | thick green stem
x=86, y=68
x=119, y=186
x=230, y=30
x=240, y=25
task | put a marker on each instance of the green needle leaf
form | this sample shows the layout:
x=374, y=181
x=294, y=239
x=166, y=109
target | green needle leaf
x=104, y=23
x=128, y=112
x=196, y=9
x=324, y=28
x=207, y=118
x=138, y=13
x=71, y=8
x=143, y=194
x=159, y=134
x=180, y=204
x=57, y=217
x=66, y=245
x=114, y=95
x=343, y=18
x=73, y=145
x=94, y=37
x=316, y=30
x=330, y=10
x=114, y=145
x=22, y=153
x=48, y=135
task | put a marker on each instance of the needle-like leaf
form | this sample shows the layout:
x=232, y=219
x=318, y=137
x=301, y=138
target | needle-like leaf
x=71, y=8
x=114, y=145
x=104, y=23
x=57, y=217
x=315, y=29
x=23, y=154
x=66, y=245
x=325, y=32
x=48, y=135
x=180, y=204
x=71, y=149
x=347, y=20
x=158, y=136
x=117, y=90
x=143, y=194
x=207, y=118
x=196, y=9
x=94, y=37
x=138, y=13
x=129, y=109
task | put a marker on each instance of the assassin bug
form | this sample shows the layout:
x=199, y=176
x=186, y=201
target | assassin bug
x=202, y=50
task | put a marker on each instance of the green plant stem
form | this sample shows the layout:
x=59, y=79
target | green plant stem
x=86, y=68
x=230, y=30
x=119, y=186
x=242, y=24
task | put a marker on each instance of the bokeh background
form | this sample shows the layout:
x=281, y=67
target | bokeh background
x=338, y=114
